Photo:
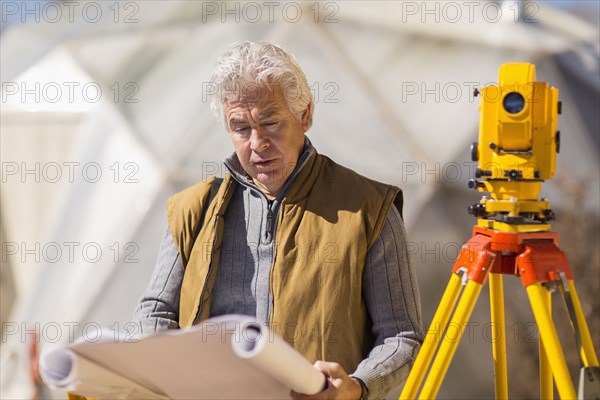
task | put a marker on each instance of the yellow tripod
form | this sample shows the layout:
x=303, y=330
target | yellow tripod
x=518, y=142
x=535, y=257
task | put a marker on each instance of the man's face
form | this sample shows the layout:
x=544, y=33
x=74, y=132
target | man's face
x=267, y=137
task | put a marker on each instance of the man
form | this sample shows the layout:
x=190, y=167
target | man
x=308, y=247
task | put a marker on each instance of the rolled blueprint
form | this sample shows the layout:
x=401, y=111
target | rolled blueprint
x=272, y=355
x=61, y=368
x=225, y=357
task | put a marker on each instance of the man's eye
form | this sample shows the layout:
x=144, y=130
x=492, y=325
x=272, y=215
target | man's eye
x=241, y=129
x=271, y=123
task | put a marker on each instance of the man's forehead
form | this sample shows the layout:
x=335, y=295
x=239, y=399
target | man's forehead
x=240, y=114
x=261, y=109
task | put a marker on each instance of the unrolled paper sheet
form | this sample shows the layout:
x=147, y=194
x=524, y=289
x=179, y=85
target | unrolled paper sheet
x=222, y=358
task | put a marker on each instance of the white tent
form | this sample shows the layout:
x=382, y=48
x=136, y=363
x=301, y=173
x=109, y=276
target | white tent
x=105, y=114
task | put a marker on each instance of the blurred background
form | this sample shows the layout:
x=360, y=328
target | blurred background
x=105, y=115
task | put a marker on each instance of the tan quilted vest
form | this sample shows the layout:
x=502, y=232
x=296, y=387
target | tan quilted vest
x=328, y=221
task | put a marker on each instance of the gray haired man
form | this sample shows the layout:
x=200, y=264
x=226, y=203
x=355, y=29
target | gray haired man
x=310, y=248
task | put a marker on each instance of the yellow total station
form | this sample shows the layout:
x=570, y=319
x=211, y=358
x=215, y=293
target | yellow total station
x=516, y=152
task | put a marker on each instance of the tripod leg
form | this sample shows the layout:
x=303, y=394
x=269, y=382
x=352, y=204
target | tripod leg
x=546, y=382
x=438, y=325
x=449, y=344
x=499, y=342
x=587, y=347
x=549, y=337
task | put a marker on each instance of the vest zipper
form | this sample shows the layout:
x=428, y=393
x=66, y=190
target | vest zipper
x=212, y=248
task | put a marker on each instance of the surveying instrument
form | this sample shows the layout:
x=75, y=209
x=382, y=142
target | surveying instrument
x=516, y=152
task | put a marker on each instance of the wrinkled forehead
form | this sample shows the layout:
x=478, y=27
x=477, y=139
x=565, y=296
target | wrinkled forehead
x=255, y=97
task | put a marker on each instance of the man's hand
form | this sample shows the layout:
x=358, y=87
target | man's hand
x=339, y=384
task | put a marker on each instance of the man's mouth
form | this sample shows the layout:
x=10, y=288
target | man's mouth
x=265, y=164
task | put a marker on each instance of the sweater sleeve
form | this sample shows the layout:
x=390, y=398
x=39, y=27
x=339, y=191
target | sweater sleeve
x=158, y=309
x=391, y=294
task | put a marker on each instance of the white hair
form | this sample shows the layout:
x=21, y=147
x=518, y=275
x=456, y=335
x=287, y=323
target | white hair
x=256, y=65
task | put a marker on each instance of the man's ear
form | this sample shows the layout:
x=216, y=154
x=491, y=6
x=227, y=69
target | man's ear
x=306, y=118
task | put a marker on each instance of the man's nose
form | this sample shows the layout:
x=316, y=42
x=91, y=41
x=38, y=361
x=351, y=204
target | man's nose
x=259, y=140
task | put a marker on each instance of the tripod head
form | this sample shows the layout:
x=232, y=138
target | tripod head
x=517, y=147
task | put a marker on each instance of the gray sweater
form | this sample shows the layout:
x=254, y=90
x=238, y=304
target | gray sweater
x=390, y=289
